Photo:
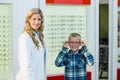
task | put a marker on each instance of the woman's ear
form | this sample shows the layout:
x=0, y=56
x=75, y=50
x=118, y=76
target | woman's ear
x=28, y=20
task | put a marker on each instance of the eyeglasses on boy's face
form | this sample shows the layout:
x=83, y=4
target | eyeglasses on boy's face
x=70, y=42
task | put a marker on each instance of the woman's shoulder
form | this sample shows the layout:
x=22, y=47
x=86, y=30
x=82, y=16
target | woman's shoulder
x=25, y=39
x=24, y=36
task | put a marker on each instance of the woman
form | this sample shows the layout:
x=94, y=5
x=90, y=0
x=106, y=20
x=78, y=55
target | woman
x=31, y=49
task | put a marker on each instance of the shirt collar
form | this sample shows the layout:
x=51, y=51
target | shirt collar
x=73, y=53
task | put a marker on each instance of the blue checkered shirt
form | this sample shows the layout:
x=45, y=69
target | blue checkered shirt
x=75, y=63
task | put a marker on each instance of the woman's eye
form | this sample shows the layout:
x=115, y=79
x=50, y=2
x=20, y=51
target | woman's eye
x=39, y=19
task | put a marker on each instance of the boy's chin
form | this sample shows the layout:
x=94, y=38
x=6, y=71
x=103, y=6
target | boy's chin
x=74, y=50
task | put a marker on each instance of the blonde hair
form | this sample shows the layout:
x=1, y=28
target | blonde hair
x=29, y=29
x=74, y=35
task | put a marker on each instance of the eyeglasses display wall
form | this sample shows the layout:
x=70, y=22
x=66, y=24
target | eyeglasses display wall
x=5, y=23
x=61, y=20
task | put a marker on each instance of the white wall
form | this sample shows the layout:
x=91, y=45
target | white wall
x=103, y=1
x=113, y=39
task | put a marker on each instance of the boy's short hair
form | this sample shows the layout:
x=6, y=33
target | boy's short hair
x=74, y=35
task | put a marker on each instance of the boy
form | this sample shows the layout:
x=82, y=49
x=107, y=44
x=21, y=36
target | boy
x=75, y=59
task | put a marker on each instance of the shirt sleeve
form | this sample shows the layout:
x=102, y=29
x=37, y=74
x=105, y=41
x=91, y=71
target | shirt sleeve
x=60, y=60
x=88, y=56
x=24, y=57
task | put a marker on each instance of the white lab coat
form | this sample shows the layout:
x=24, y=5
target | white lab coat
x=31, y=60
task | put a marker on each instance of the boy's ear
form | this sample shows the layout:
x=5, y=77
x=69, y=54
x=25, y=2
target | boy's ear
x=80, y=44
